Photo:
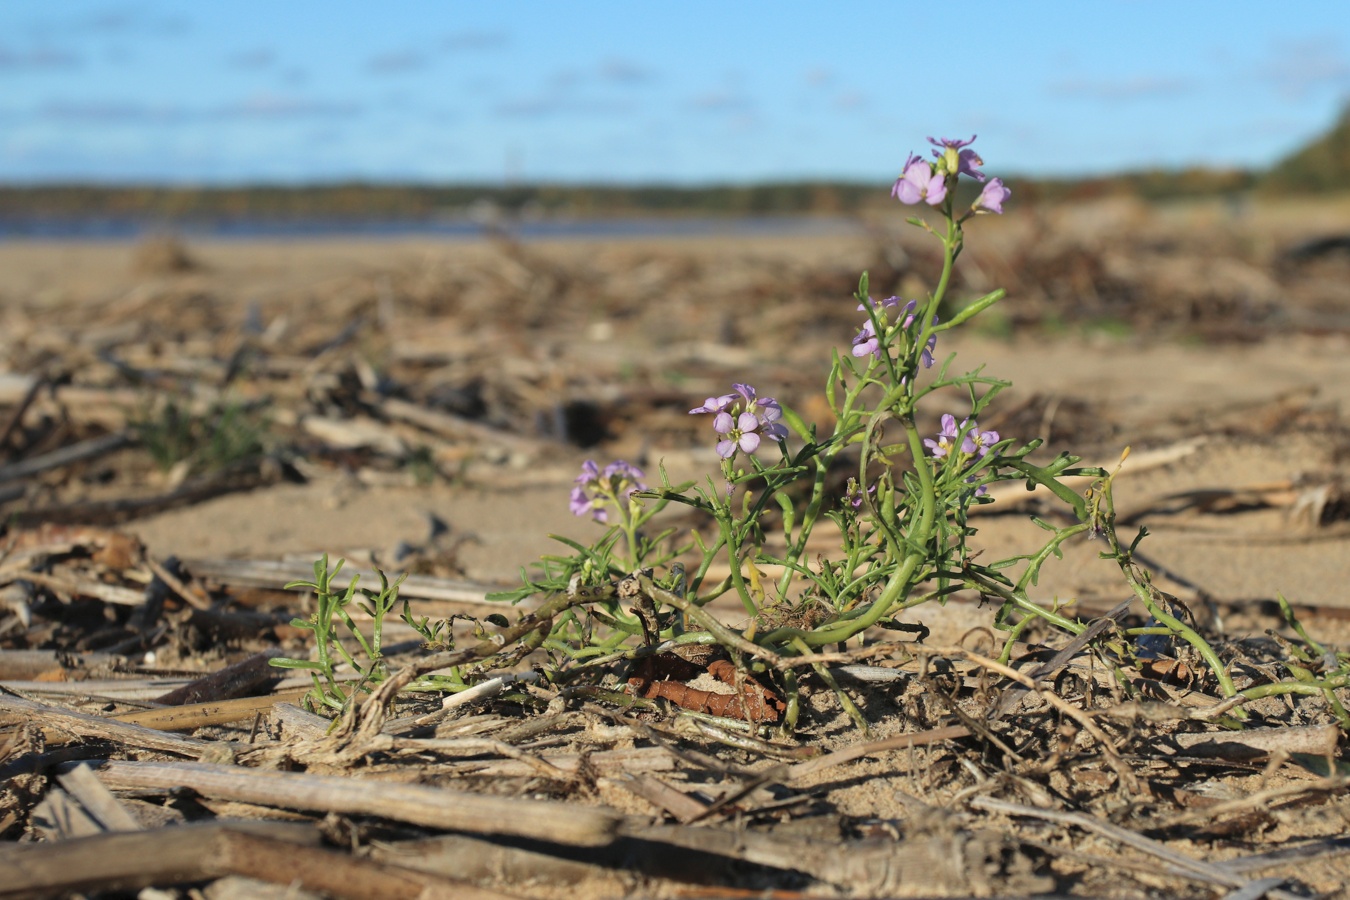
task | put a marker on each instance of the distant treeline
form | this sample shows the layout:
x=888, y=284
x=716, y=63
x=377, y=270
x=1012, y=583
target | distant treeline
x=358, y=201
x=414, y=201
x=1321, y=166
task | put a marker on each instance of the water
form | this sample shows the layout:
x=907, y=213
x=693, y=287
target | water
x=129, y=229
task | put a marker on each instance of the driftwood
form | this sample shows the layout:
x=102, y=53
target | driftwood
x=417, y=804
x=57, y=722
x=279, y=853
x=1256, y=743
x=94, y=447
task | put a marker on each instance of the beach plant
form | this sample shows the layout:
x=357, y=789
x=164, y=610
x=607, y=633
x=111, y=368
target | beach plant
x=223, y=433
x=333, y=607
x=903, y=533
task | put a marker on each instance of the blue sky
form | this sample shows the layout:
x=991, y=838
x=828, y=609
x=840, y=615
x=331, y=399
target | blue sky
x=686, y=92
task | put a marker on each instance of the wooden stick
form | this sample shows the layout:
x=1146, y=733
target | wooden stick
x=64, y=456
x=297, y=723
x=1255, y=743
x=421, y=805
x=680, y=805
x=244, y=475
x=58, y=723
x=16, y=414
x=282, y=853
x=198, y=715
x=192, y=597
x=84, y=587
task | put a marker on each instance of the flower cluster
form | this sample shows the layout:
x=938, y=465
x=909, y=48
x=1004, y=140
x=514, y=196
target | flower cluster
x=868, y=341
x=923, y=181
x=974, y=442
x=742, y=420
x=596, y=490
x=854, y=495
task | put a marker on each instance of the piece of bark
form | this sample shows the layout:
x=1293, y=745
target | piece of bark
x=230, y=682
x=60, y=816
x=81, y=783
x=58, y=724
x=418, y=804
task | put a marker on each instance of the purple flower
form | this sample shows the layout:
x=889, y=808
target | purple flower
x=946, y=143
x=743, y=420
x=853, y=494
x=991, y=199
x=625, y=477
x=909, y=313
x=740, y=433
x=866, y=341
x=927, y=355
x=943, y=445
x=963, y=162
x=581, y=504
x=596, y=490
x=974, y=442
x=920, y=182
x=885, y=304
x=769, y=414
x=978, y=441
x=714, y=404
